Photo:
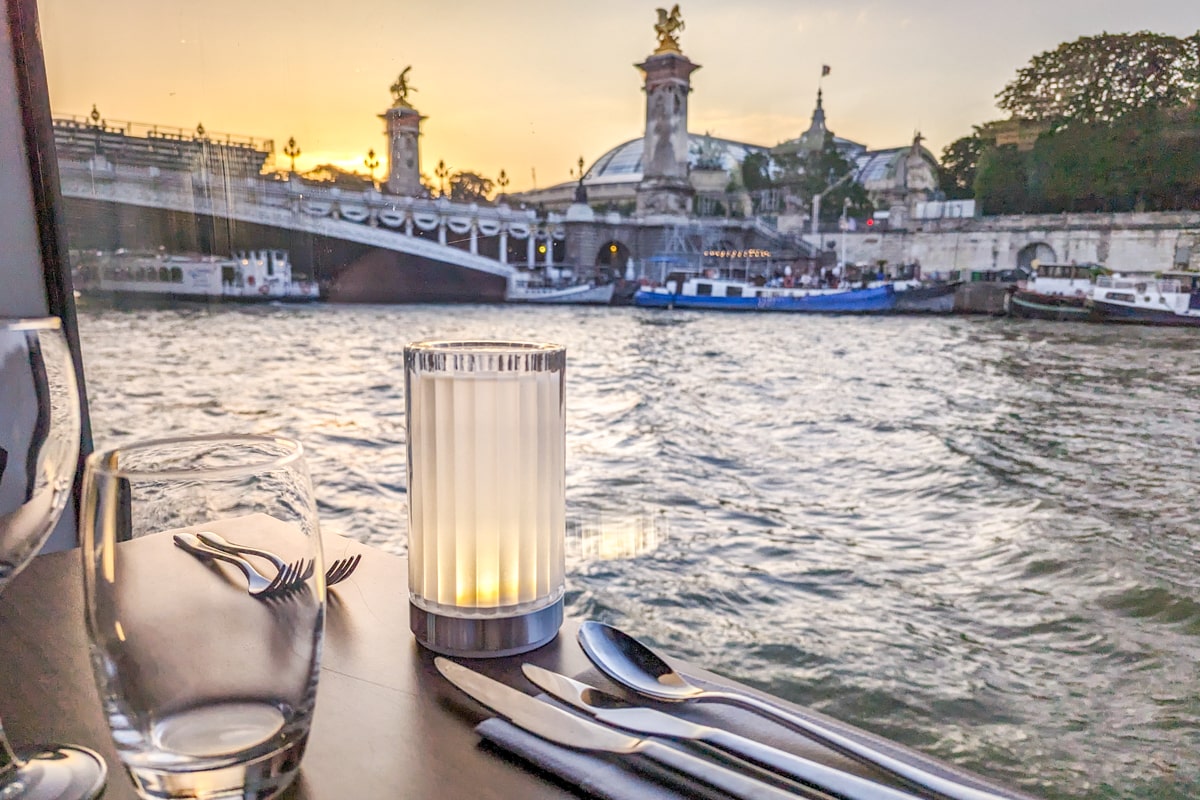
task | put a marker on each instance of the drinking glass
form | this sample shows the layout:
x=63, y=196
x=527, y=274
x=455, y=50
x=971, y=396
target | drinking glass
x=487, y=498
x=208, y=690
x=39, y=453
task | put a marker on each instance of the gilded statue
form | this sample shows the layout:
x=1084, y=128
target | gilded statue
x=667, y=27
x=400, y=90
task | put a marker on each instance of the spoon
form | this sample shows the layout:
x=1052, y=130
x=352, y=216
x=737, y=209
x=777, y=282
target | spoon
x=635, y=666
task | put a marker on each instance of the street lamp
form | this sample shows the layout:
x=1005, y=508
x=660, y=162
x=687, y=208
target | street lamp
x=441, y=172
x=580, y=191
x=371, y=162
x=291, y=150
x=844, y=224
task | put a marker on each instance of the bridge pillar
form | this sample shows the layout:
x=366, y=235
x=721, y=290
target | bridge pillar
x=441, y=231
x=664, y=188
x=531, y=248
x=503, y=246
x=404, y=159
x=474, y=239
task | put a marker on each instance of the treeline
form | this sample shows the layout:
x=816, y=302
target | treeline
x=1104, y=123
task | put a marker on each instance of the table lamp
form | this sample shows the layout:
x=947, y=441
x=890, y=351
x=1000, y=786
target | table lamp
x=486, y=494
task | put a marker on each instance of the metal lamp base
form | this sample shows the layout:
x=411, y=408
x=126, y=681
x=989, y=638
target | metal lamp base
x=485, y=637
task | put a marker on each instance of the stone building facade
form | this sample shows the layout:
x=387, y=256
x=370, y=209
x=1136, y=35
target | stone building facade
x=1135, y=242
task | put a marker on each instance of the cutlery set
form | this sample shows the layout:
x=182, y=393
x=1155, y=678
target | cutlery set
x=616, y=726
x=288, y=577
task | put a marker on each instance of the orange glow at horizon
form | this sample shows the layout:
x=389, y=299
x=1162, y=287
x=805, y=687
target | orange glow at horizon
x=529, y=86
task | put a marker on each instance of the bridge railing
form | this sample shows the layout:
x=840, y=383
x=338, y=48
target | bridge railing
x=146, y=130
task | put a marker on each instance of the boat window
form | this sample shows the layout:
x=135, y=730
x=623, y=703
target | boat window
x=704, y=289
x=733, y=291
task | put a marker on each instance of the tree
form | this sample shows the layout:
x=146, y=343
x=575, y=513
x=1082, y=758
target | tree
x=960, y=161
x=1002, y=181
x=338, y=177
x=822, y=168
x=756, y=171
x=469, y=187
x=1100, y=78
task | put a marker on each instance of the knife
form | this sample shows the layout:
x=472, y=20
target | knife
x=614, y=711
x=564, y=728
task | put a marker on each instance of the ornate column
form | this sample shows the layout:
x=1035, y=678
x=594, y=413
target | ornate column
x=664, y=188
x=403, y=131
x=531, y=247
x=503, y=245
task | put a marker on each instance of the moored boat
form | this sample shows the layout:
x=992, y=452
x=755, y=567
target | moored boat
x=570, y=294
x=253, y=276
x=1055, y=292
x=1172, y=298
x=705, y=292
x=935, y=298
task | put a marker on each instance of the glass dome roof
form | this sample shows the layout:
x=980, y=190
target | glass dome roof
x=623, y=164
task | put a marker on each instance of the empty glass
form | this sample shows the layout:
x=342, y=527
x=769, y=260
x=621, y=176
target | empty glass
x=208, y=689
x=39, y=453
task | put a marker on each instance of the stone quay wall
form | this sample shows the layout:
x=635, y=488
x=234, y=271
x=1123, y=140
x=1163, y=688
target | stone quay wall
x=1134, y=242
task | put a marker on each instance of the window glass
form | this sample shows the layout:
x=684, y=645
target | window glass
x=886, y=516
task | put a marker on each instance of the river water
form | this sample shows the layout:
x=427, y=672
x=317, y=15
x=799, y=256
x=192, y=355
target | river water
x=976, y=536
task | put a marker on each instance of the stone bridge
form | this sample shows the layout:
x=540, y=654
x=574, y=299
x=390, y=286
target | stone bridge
x=491, y=242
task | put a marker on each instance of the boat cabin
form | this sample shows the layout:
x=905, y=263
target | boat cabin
x=1064, y=280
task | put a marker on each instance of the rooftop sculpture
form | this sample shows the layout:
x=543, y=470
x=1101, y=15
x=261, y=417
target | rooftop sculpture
x=400, y=90
x=667, y=26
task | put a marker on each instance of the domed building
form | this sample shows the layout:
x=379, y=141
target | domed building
x=891, y=177
x=612, y=179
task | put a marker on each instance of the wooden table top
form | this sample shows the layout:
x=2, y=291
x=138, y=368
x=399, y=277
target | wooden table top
x=386, y=725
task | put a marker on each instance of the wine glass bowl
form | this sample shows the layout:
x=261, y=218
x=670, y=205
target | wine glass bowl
x=39, y=455
x=39, y=437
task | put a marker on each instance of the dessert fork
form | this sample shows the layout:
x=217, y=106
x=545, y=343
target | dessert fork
x=338, y=571
x=286, y=579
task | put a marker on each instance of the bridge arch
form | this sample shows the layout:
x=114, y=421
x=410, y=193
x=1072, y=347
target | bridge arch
x=612, y=257
x=1035, y=251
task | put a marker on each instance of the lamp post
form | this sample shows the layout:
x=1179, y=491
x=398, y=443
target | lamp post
x=441, y=172
x=844, y=225
x=580, y=191
x=371, y=162
x=291, y=150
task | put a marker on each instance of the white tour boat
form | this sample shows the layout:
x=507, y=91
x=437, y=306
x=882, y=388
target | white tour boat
x=249, y=276
x=523, y=290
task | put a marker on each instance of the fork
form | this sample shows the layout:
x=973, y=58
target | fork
x=221, y=543
x=259, y=585
x=340, y=570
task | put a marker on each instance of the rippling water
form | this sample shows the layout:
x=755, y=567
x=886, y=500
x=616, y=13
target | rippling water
x=975, y=536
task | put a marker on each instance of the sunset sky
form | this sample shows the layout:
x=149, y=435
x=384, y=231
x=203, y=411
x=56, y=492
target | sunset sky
x=532, y=85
